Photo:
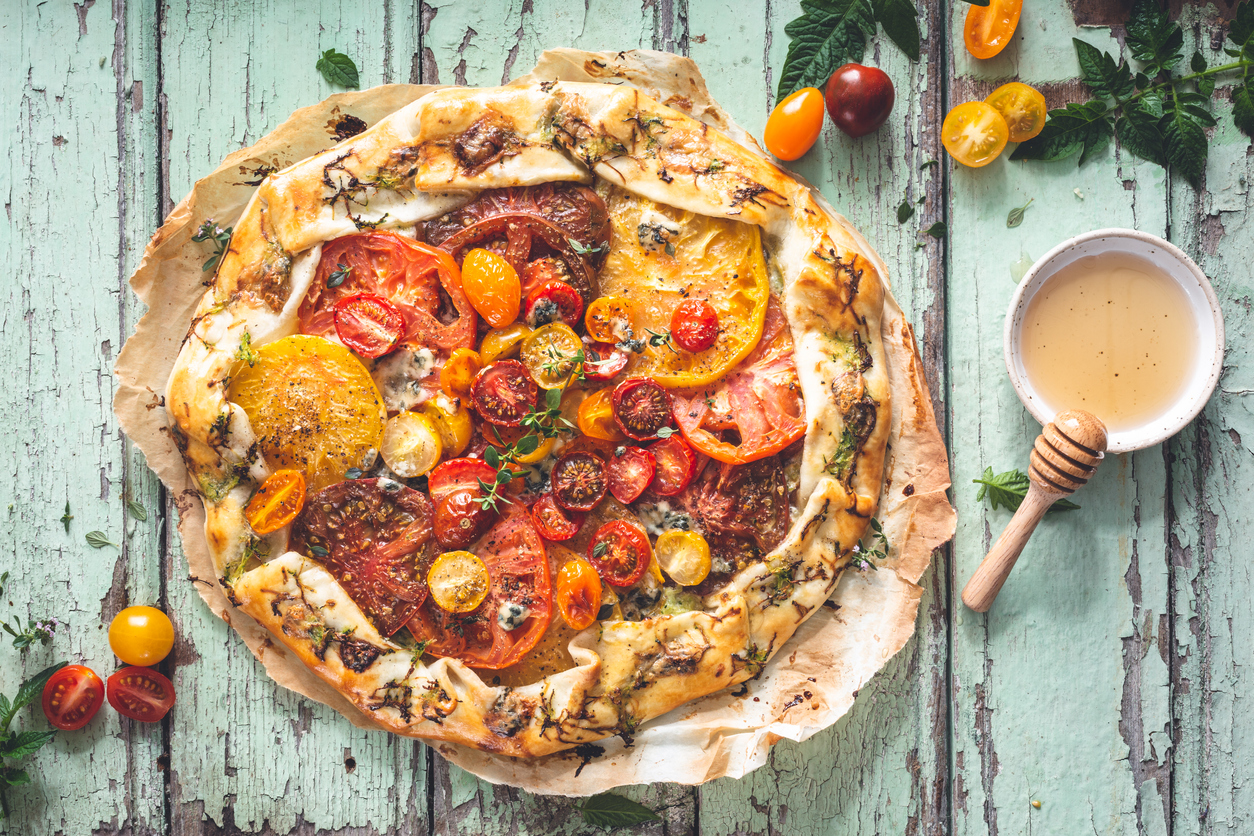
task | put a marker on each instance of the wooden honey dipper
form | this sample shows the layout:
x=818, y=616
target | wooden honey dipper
x=1064, y=458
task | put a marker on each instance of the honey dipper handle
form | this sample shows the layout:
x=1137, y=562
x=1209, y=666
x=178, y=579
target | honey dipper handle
x=993, y=571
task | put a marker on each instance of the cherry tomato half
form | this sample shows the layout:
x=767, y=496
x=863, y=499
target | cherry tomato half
x=579, y=482
x=577, y=593
x=676, y=465
x=72, y=696
x=459, y=372
x=602, y=361
x=989, y=28
x=458, y=581
x=1022, y=107
x=141, y=635
x=694, y=325
x=795, y=124
x=461, y=519
x=859, y=98
x=275, y=504
x=369, y=325
x=504, y=393
x=641, y=407
x=458, y=474
x=630, y=471
x=554, y=522
x=492, y=286
x=974, y=133
x=141, y=694
x=608, y=319
x=596, y=416
x=620, y=552
x=554, y=301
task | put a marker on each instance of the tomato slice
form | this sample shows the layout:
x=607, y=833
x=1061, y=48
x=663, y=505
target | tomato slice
x=620, y=552
x=554, y=522
x=277, y=502
x=577, y=593
x=579, y=482
x=694, y=325
x=553, y=301
x=521, y=586
x=72, y=696
x=374, y=536
x=461, y=519
x=504, y=393
x=141, y=694
x=406, y=273
x=1022, y=107
x=641, y=408
x=602, y=361
x=974, y=133
x=459, y=474
x=630, y=471
x=676, y=465
x=989, y=28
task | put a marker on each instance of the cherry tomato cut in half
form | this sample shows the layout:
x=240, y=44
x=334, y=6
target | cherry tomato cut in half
x=72, y=696
x=277, y=502
x=141, y=635
x=620, y=552
x=630, y=471
x=859, y=99
x=641, y=408
x=1022, y=107
x=459, y=372
x=795, y=124
x=676, y=465
x=602, y=361
x=579, y=482
x=458, y=474
x=694, y=325
x=504, y=393
x=989, y=28
x=974, y=133
x=369, y=325
x=577, y=593
x=554, y=522
x=141, y=694
x=554, y=301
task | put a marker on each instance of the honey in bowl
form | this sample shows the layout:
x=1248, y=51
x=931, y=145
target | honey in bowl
x=1111, y=334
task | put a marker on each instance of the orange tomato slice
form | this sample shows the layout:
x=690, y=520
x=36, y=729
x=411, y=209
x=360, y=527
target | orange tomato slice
x=596, y=417
x=277, y=503
x=974, y=133
x=989, y=28
x=1022, y=107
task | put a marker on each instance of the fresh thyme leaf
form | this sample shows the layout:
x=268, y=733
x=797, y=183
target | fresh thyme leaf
x=829, y=34
x=1016, y=215
x=900, y=20
x=338, y=68
x=583, y=249
x=905, y=211
x=1008, y=490
x=98, y=540
x=666, y=432
x=65, y=518
x=319, y=551
x=937, y=230
x=599, y=549
x=610, y=810
x=221, y=238
x=337, y=277
x=929, y=164
x=136, y=510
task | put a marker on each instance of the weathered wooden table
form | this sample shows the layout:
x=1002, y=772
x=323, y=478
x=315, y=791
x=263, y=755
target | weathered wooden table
x=1109, y=682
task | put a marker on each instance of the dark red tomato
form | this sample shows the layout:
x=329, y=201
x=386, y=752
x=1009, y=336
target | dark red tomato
x=694, y=325
x=504, y=393
x=141, y=694
x=641, y=407
x=620, y=552
x=461, y=519
x=579, y=481
x=676, y=465
x=458, y=474
x=554, y=522
x=630, y=470
x=554, y=301
x=72, y=696
x=602, y=361
x=375, y=541
x=859, y=98
x=369, y=325
x=519, y=568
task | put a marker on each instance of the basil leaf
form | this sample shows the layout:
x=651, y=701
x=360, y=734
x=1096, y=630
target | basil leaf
x=98, y=540
x=30, y=691
x=338, y=68
x=1137, y=129
x=136, y=510
x=1008, y=490
x=1076, y=128
x=829, y=34
x=1243, y=106
x=610, y=810
x=905, y=211
x=1153, y=38
x=900, y=20
x=1184, y=125
x=27, y=742
x=1107, y=79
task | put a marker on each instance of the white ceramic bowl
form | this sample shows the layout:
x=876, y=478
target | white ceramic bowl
x=1175, y=264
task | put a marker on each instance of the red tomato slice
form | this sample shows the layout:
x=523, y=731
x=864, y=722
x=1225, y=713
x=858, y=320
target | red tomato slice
x=602, y=361
x=579, y=482
x=503, y=393
x=694, y=325
x=554, y=301
x=630, y=471
x=641, y=408
x=408, y=274
x=369, y=325
x=676, y=465
x=620, y=552
x=461, y=519
x=459, y=474
x=516, y=561
x=141, y=694
x=72, y=696
x=554, y=522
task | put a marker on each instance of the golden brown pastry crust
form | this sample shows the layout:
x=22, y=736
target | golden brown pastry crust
x=418, y=163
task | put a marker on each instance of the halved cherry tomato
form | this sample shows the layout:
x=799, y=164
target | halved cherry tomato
x=694, y=325
x=602, y=361
x=459, y=372
x=795, y=124
x=596, y=417
x=620, y=552
x=684, y=556
x=989, y=28
x=630, y=470
x=553, y=301
x=455, y=426
x=551, y=355
x=608, y=319
x=554, y=522
x=141, y=694
x=974, y=133
x=411, y=444
x=504, y=393
x=676, y=465
x=141, y=635
x=1022, y=107
x=577, y=593
x=579, y=482
x=492, y=286
x=503, y=343
x=458, y=581
x=459, y=474
x=370, y=325
x=277, y=502
x=72, y=696
x=461, y=519
x=641, y=408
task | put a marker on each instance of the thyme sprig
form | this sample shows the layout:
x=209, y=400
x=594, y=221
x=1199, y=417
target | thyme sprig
x=863, y=556
x=221, y=238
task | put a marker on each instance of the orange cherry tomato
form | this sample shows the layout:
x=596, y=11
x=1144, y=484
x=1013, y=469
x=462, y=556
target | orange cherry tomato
x=1022, y=107
x=492, y=286
x=277, y=503
x=608, y=319
x=974, y=133
x=596, y=417
x=989, y=28
x=795, y=124
x=577, y=593
x=459, y=372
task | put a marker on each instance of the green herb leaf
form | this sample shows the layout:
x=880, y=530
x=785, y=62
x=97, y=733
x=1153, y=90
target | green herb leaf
x=98, y=540
x=527, y=444
x=937, y=230
x=1197, y=63
x=492, y=456
x=1243, y=107
x=338, y=276
x=600, y=549
x=610, y=810
x=1107, y=79
x=553, y=398
x=1016, y=215
x=136, y=510
x=353, y=473
x=26, y=743
x=319, y=551
x=829, y=34
x=1008, y=490
x=1184, y=124
x=338, y=68
x=905, y=211
x=29, y=692
x=66, y=517
x=12, y=777
x=900, y=20
x=1241, y=29
x=929, y=164
x=1077, y=128
x=1153, y=38
x=6, y=708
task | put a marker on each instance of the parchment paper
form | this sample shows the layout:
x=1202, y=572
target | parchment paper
x=809, y=684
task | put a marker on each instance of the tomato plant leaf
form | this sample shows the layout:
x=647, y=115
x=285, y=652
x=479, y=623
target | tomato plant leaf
x=900, y=20
x=1243, y=108
x=1184, y=125
x=610, y=810
x=1138, y=132
x=1153, y=38
x=1241, y=29
x=338, y=68
x=1104, y=77
x=829, y=34
x=1077, y=128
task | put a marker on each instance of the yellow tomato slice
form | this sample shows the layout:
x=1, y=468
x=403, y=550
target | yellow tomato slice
x=459, y=372
x=456, y=427
x=684, y=555
x=502, y=343
x=551, y=354
x=277, y=502
x=1022, y=107
x=313, y=406
x=411, y=444
x=974, y=134
x=596, y=417
x=458, y=582
x=661, y=257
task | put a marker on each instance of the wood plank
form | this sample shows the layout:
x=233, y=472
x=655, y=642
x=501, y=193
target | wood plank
x=63, y=316
x=1060, y=695
x=246, y=755
x=883, y=767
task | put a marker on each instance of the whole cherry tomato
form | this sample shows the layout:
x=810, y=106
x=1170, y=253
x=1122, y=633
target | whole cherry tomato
x=577, y=593
x=795, y=124
x=974, y=134
x=72, y=696
x=141, y=635
x=694, y=325
x=859, y=98
x=461, y=519
x=492, y=286
x=989, y=28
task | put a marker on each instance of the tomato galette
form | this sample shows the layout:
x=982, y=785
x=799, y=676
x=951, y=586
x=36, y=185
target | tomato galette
x=532, y=413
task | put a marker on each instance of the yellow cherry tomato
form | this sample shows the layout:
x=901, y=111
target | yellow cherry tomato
x=577, y=593
x=551, y=354
x=795, y=124
x=455, y=427
x=974, y=133
x=459, y=372
x=141, y=636
x=989, y=28
x=411, y=444
x=596, y=417
x=492, y=286
x=1022, y=107
x=458, y=582
x=277, y=502
x=684, y=555
x=503, y=343
x=608, y=319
